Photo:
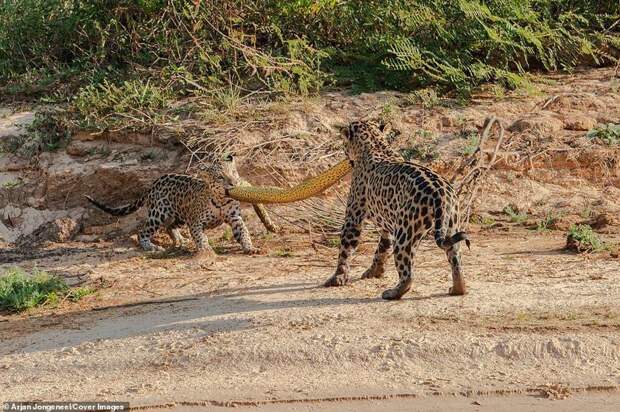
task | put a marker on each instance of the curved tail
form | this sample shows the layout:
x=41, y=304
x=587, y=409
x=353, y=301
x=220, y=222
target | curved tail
x=121, y=210
x=444, y=242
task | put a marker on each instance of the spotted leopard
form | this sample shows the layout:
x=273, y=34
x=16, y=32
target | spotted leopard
x=200, y=202
x=404, y=200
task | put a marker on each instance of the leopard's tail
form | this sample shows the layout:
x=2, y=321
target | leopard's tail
x=442, y=217
x=121, y=210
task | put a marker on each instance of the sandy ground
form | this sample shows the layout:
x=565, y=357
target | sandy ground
x=537, y=321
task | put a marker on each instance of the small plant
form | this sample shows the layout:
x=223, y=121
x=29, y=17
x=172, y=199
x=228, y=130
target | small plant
x=514, y=215
x=103, y=151
x=149, y=155
x=547, y=223
x=228, y=99
x=608, y=134
x=581, y=238
x=20, y=291
x=333, y=242
x=76, y=294
x=423, y=148
x=48, y=132
x=587, y=213
x=471, y=145
x=12, y=184
x=428, y=98
x=217, y=247
x=283, y=253
x=227, y=235
x=485, y=221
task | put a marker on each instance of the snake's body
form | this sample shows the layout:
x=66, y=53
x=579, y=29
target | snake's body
x=308, y=188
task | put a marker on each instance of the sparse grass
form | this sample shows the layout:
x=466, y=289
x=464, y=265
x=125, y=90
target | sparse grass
x=581, y=238
x=608, y=134
x=547, y=223
x=333, y=242
x=12, y=184
x=20, y=291
x=423, y=147
x=284, y=252
x=513, y=214
x=426, y=97
x=228, y=234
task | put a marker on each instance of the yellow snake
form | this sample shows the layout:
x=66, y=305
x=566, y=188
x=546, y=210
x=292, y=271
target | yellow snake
x=308, y=188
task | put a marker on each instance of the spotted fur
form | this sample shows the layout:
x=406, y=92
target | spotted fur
x=200, y=202
x=405, y=201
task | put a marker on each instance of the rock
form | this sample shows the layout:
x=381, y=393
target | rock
x=600, y=221
x=59, y=230
x=544, y=123
x=579, y=122
x=447, y=121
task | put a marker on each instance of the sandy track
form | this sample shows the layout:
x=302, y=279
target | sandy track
x=261, y=328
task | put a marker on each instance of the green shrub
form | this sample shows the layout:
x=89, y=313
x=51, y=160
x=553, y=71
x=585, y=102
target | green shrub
x=514, y=215
x=581, y=238
x=54, y=47
x=608, y=134
x=20, y=291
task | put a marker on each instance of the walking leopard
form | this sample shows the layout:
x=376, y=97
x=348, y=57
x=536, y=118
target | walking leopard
x=200, y=202
x=404, y=200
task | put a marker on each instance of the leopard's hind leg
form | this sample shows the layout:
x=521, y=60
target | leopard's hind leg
x=453, y=253
x=384, y=248
x=458, y=283
x=404, y=253
x=153, y=222
x=173, y=231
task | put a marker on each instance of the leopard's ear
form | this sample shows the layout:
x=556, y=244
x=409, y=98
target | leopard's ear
x=388, y=131
x=384, y=125
x=342, y=128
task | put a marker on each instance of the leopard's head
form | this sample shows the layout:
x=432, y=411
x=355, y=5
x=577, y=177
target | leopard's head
x=220, y=171
x=367, y=136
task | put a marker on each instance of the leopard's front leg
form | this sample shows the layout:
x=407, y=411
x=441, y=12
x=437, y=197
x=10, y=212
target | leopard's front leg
x=240, y=231
x=349, y=239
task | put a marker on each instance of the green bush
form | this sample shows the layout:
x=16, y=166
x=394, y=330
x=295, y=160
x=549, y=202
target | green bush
x=608, y=134
x=53, y=47
x=581, y=238
x=20, y=291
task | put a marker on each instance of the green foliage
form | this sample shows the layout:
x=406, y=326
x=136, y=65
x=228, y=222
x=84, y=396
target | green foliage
x=514, y=215
x=427, y=97
x=180, y=48
x=608, y=134
x=583, y=239
x=20, y=291
x=471, y=144
x=467, y=42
